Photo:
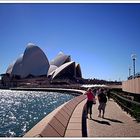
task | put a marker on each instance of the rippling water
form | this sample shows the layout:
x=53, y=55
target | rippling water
x=21, y=110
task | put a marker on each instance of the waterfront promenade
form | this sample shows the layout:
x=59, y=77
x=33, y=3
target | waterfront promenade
x=117, y=123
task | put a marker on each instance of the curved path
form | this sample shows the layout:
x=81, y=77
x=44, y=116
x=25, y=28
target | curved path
x=116, y=123
x=63, y=121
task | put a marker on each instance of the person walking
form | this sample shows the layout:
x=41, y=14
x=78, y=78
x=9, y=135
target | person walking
x=90, y=101
x=102, y=102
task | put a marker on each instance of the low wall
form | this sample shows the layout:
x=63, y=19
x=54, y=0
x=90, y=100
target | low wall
x=55, y=124
x=75, y=91
x=132, y=86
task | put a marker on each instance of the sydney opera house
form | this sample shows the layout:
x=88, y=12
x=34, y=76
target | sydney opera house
x=34, y=63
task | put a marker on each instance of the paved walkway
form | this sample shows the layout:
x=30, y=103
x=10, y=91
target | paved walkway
x=74, y=128
x=116, y=123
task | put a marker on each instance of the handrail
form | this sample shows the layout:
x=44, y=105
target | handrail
x=128, y=100
x=132, y=107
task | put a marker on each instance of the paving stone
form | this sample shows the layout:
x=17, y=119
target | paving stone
x=62, y=119
x=76, y=120
x=73, y=133
x=69, y=112
x=49, y=131
x=66, y=116
x=58, y=126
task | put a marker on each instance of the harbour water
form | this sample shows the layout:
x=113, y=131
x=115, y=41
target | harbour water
x=21, y=110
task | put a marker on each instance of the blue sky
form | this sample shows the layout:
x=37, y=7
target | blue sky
x=101, y=37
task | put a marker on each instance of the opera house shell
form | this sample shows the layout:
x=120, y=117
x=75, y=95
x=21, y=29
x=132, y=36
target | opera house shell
x=60, y=59
x=34, y=62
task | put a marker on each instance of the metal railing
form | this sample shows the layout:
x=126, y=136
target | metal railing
x=131, y=107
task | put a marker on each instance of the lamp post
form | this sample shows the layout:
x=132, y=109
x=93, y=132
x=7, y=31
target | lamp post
x=129, y=71
x=133, y=56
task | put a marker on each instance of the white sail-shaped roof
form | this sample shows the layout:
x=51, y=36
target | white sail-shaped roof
x=17, y=68
x=10, y=68
x=78, y=70
x=34, y=62
x=65, y=70
x=51, y=69
x=60, y=59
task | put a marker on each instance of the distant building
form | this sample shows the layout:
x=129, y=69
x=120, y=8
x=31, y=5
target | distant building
x=34, y=63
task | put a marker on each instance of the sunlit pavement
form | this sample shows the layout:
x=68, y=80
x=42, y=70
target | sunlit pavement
x=116, y=123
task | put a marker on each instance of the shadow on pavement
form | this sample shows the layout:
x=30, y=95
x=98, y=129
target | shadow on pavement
x=101, y=122
x=84, y=123
x=113, y=120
